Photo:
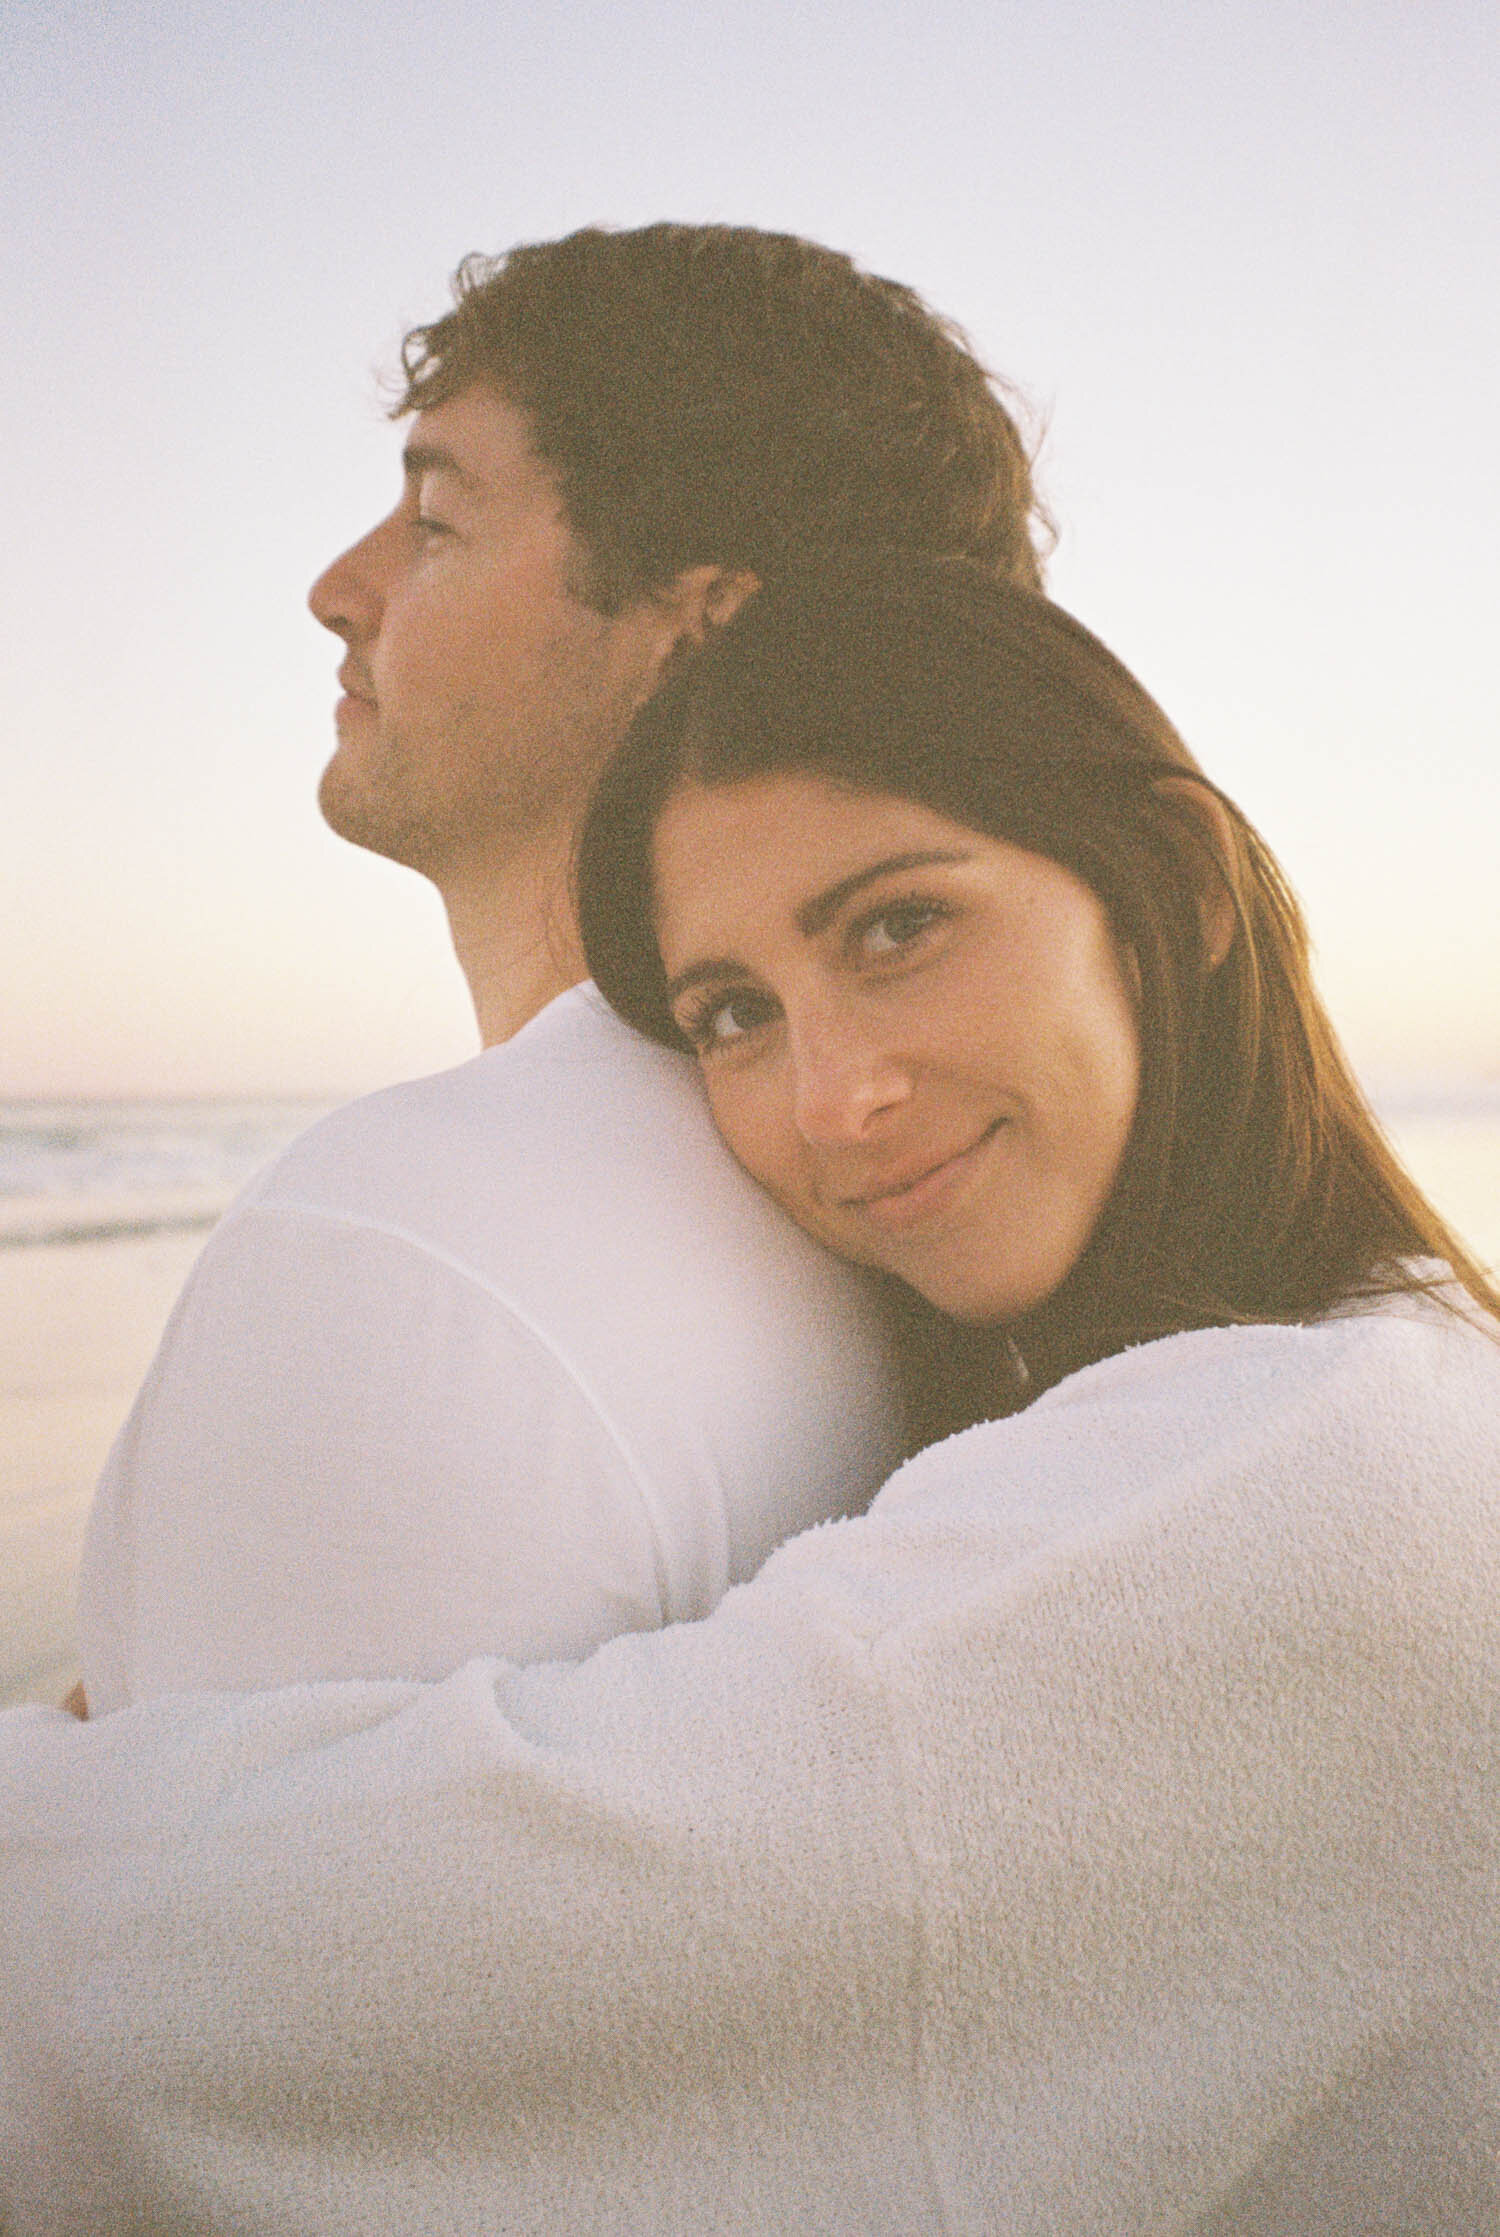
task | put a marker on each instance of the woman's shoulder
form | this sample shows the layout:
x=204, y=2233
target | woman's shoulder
x=1406, y=1331
x=1401, y=1381
x=1319, y=1464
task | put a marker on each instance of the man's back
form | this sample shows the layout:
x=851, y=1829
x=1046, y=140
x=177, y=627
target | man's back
x=507, y=1360
x=504, y=1361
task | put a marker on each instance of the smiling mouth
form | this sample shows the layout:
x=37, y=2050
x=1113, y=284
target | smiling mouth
x=911, y=1200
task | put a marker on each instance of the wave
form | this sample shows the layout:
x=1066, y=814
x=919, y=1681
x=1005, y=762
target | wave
x=103, y=1231
x=28, y=1221
x=95, y=1172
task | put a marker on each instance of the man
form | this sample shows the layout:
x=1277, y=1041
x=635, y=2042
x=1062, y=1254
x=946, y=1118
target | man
x=512, y=1360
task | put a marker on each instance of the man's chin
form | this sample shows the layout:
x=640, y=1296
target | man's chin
x=350, y=809
x=338, y=799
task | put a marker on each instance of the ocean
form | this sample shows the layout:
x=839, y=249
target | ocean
x=74, y=1172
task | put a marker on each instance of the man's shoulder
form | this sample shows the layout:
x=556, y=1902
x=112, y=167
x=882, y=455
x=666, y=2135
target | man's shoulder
x=577, y=1136
x=560, y=1088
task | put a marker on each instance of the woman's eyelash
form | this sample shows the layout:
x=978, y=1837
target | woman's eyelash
x=696, y=1026
x=905, y=920
x=693, y=1023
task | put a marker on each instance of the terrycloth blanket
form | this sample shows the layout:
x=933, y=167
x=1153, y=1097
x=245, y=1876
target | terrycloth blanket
x=1099, y=1839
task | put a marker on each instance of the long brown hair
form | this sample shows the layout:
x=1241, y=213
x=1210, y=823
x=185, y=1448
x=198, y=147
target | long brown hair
x=1257, y=1185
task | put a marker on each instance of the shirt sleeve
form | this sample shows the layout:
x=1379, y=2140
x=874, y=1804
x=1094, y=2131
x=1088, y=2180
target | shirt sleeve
x=352, y=1458
x=1119, y=1862
x=539, y=1950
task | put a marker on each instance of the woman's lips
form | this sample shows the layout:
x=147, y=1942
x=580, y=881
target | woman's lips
x=902, y=1206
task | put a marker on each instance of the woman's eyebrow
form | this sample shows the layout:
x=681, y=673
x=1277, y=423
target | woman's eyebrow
x=702, y=974
x=816, y=915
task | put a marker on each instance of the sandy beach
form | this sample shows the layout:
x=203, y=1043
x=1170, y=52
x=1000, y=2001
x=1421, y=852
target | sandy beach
x=78, y=1325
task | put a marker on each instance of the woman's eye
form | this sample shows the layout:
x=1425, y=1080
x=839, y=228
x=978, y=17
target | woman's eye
x=726, y=1019
x=896, y=928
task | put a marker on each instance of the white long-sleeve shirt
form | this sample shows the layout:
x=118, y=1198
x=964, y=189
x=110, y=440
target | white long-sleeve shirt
x=504, y=1361
x=1102, y=1835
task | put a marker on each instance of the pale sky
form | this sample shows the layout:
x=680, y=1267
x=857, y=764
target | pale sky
x=1240, y=257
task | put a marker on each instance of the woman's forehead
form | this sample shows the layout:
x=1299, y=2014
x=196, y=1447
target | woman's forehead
x=733, y=859
x=780, y=852
x=780, y=806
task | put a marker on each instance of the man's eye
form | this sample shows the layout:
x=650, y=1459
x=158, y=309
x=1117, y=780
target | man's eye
x=725, y=1019
x=429, y=531
x=890, y=930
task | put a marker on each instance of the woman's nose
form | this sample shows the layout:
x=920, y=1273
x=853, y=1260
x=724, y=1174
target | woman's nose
x=844, y=1084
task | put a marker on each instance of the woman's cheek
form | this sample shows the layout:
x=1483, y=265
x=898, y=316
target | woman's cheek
x=733, y=1114
x=756, y=1123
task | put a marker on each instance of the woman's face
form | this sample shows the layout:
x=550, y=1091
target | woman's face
x=919, y=1039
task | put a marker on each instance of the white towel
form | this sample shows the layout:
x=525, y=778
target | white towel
x=1102, y=1836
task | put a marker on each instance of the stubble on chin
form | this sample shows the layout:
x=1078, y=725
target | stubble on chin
x=362, y=800
x=373, y=803
x=484, y=785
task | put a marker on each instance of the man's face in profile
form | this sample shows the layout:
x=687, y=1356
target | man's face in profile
x=481, y=692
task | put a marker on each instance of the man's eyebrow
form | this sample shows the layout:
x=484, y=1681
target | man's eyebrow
x=816, y=915
x=430, y=458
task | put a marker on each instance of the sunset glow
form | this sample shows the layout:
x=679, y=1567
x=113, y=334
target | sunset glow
x=1237, y=259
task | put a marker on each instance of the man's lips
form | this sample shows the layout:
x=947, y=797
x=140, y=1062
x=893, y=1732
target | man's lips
x=354, y=686
x=899, y=1202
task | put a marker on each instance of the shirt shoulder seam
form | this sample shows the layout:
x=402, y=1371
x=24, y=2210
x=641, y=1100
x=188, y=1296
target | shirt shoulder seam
x=424, y=1247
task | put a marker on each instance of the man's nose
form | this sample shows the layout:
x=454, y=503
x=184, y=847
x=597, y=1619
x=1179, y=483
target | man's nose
x=845, y=1082
x=347, y=596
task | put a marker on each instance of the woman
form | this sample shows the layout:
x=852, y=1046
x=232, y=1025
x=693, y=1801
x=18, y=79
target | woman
x=991, y=987
x=1102, y=1833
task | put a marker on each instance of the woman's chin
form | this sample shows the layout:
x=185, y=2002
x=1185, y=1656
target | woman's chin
x=980, y=1298
x=955, y=1265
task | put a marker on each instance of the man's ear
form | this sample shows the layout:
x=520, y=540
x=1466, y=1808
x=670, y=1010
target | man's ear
x=698, y=602
x=1210, y=858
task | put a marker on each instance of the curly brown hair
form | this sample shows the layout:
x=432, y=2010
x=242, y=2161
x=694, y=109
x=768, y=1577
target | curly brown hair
x=716, y=394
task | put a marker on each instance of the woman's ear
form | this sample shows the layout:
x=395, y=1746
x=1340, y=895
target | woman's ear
x=1210, y=859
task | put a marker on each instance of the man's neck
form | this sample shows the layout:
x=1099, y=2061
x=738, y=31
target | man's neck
x=515, y=935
